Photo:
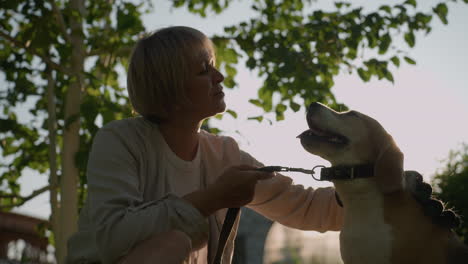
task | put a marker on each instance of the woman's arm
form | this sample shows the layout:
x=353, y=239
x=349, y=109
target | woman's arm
x=234, y=188
x=281, y=200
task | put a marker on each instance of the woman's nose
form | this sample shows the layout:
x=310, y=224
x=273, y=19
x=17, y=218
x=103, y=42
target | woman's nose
x=218, y=76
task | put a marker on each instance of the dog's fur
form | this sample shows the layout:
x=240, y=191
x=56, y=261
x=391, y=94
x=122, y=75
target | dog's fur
x=383, y=222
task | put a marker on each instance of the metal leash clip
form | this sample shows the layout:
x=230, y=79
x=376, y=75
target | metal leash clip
x=281, y=168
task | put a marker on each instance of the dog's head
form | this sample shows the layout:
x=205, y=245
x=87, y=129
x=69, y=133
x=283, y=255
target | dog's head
x=352, y=138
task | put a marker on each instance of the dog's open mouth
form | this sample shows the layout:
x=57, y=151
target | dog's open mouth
x=318, y=134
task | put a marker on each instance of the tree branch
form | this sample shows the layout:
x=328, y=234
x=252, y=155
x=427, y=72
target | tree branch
x=124, y=51
x=47, y=60
x=24, y=199
x=60, y=21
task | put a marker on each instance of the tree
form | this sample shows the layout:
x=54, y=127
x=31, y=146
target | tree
x=451, y=186
x=61, y=57
x=298, y=50
x=63, y=60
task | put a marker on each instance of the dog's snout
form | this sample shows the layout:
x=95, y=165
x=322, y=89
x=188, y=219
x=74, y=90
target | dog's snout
x=313, y=110
x=314, y=106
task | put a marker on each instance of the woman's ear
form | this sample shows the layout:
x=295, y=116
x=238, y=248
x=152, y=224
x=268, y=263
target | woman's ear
x=388, y=167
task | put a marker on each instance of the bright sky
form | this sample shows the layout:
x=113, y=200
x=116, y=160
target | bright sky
x=425, y=110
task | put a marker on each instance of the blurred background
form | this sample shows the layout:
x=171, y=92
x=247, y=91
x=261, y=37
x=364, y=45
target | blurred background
x=422, y=105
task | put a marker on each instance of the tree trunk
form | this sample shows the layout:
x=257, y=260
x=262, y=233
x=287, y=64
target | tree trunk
x=53, y=179
x=71, y=136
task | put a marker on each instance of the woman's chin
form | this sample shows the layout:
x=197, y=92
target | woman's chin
x=222, y=107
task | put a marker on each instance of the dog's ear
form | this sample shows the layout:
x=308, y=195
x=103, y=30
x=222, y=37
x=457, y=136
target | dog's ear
x=388, y=168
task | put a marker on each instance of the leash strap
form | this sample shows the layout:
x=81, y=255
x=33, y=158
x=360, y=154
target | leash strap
x=229, y=221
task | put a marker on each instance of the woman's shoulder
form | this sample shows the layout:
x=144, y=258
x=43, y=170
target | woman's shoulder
x=128, y=124
x=134, y=134
x=133, y=129
x=219, y=145
x=128, y=127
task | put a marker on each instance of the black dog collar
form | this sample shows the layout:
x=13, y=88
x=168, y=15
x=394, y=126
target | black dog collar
x=346, y=172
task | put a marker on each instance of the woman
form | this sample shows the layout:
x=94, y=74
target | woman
x=158, y=186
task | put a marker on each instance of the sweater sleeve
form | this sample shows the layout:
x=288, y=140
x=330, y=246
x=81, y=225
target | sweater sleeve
x=116, y=206
x=279, y=199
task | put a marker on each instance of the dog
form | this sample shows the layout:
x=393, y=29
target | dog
x=389, y=215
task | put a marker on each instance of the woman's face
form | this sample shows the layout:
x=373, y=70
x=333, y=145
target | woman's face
x=204, y=88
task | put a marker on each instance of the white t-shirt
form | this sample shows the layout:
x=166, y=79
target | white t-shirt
x=188, y=172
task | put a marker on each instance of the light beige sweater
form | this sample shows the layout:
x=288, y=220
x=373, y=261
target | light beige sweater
x=132, y=194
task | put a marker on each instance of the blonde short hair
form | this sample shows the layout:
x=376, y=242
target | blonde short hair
x=159, y=67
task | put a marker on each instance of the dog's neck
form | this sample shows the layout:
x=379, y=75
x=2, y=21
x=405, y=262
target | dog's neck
x=366, y=235
x=357, y=190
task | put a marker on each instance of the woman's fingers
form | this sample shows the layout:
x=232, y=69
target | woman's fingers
x=264, y=175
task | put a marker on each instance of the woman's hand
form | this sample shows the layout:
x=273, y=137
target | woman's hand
x=234, y=188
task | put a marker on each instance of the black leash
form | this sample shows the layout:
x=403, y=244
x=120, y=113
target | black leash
x=326, y=174
x=229, y=220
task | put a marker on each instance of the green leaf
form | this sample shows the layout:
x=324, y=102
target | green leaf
x=441, y=10
x=214, y=130
x=385, y=42
x=232, y=113
x=386, y=8
x=389, y=76
x=364, y=75
x=250, y=63
x=409, y=60
x=396, y=61
x=409, y=38
x=256, y=102
x=279, y=116
x=229, y=82
x=258, y=118
x=411, y=2
x=280, y=109
x=294, y=106
x=266, y=95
